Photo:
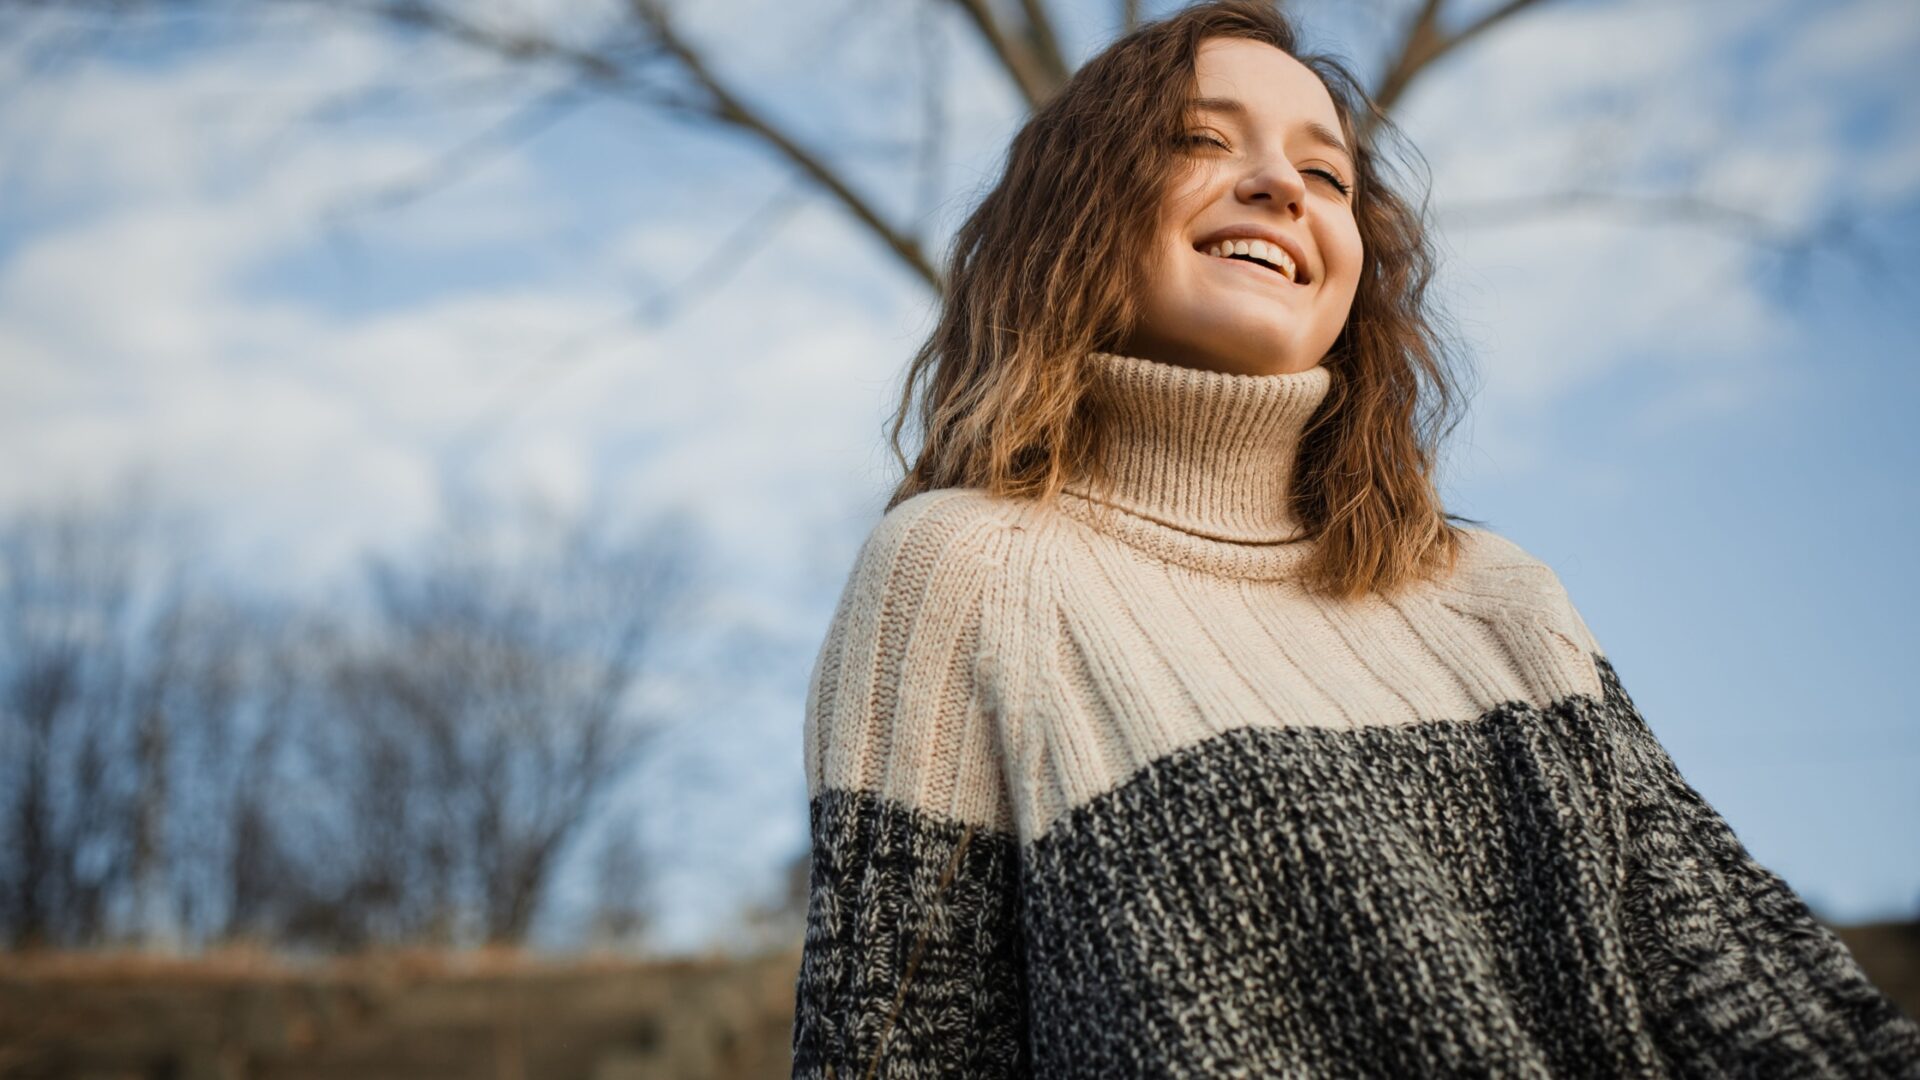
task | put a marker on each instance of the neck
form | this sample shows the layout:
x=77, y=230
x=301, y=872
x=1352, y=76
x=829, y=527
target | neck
x=1202, y=451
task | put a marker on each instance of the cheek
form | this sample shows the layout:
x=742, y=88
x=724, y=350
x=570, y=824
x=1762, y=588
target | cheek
x=1348, y=251
x=1186, y=194
x=1185, y=200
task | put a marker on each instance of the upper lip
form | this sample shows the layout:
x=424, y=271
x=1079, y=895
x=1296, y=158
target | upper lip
x=1262, y=232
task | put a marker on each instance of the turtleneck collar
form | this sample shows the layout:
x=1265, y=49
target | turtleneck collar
x=1204, y=452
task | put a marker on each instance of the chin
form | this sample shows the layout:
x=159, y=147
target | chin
x=1257, y=351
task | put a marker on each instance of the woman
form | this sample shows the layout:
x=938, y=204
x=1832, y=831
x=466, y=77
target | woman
x=1168, y=726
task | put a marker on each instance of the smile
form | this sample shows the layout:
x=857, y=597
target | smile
x=1264, y=255
x=1246, y=264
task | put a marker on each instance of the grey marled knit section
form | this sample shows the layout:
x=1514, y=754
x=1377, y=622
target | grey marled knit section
x=911, y=965
x=1738, y=976
x=1534, y=893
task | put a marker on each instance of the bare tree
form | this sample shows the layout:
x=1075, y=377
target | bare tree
x=485, y=715
x=227, y=706
x=549, y=62
x=644, y=56
x=80, y=768
x=649, y=59
x=134, y=756
x=181, y=765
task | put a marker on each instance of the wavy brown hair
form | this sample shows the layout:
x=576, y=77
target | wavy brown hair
x=1005, y=377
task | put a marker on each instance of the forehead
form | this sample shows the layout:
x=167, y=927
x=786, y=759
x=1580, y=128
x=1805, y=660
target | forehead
x=1277, y=89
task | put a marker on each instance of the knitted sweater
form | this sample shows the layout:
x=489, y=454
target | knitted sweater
x=1115, y=797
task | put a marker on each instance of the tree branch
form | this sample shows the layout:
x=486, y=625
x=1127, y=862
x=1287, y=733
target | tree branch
x=723, y=103
x=1424, y=41
x=1016, y=54
x=1045, y=43
x=1485, y=22
x=730, y=108
x=505, y=44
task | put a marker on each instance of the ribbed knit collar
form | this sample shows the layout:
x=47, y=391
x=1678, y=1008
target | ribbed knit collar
x=1203, y=452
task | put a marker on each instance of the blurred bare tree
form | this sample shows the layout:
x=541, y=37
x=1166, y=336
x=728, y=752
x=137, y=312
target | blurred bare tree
x=177, y=765
x=68, y=755
x=208, y=720
x=485, y=717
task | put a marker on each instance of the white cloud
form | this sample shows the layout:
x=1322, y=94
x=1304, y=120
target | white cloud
x=102, y=129
x=1644, y=100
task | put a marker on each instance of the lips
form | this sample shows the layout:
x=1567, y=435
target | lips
x=1249, y=266
x=1249, y=231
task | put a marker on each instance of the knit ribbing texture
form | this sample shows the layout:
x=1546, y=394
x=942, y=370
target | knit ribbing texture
x=1098, y=790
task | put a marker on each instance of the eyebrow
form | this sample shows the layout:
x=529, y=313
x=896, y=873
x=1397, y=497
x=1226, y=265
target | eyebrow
x=1315, y=130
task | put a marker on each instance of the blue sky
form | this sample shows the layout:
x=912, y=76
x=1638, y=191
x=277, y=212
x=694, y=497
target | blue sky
x=1707, y=438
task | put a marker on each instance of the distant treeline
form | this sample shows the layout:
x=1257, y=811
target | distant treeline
x=408, y=761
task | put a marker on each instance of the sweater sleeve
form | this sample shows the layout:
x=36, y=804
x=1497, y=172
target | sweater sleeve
x=1737, y=976
x=911, y=963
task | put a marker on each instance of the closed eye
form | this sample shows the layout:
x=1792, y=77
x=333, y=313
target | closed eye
x=1331, y=178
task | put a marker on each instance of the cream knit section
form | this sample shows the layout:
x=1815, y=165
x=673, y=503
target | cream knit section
x=898, y=703
x=1001, y=662
x=1209, y=453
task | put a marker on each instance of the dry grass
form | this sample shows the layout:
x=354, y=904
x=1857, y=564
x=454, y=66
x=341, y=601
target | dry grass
x=422, y=1014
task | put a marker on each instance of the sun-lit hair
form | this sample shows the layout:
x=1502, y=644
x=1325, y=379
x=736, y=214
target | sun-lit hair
x=1052, y=266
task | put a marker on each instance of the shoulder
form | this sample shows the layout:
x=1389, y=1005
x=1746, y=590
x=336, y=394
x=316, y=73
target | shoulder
x=951, y=548
x=939, y=534
x=1490, y=561
x=963, y=521
x=1501, y=581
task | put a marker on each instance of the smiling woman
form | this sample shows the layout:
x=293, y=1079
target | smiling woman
x=1167, y=725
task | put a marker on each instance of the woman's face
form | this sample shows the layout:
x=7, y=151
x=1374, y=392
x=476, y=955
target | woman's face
x=1264, y=143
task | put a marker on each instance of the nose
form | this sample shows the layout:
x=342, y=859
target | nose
x=1277, y=182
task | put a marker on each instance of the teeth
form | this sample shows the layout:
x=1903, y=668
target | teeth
x=1272, y=254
